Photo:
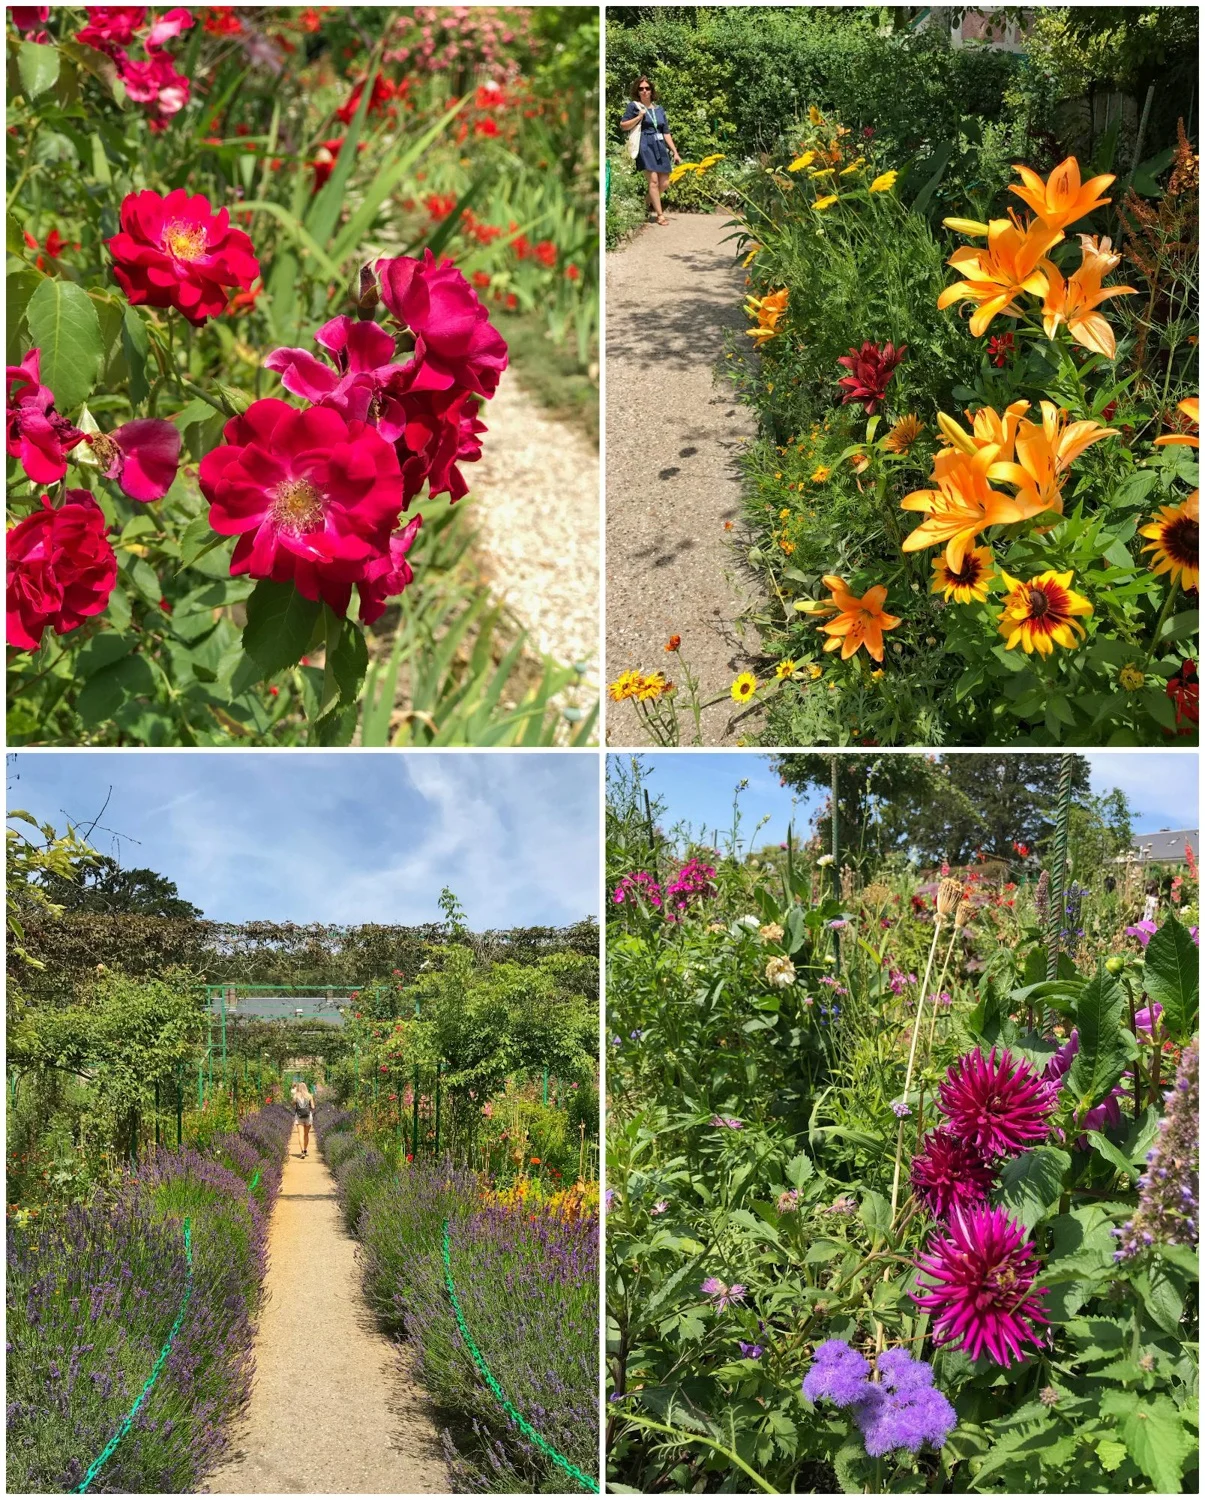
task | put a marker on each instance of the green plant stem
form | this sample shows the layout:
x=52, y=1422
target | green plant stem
x=1159, y=623
x=698, y=1437
x=937, y=991
x=920, y=1004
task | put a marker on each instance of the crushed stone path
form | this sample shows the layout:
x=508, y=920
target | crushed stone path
x=673, y=437
x=535, y=505
x=332, y=1410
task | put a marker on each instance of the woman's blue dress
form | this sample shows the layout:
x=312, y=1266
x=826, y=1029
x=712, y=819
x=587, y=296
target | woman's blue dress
x=654, y=154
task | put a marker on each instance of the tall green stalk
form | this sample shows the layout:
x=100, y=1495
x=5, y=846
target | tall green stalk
x=1058, y=874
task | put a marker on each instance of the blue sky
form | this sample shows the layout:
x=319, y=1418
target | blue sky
x=339, y=837
x=697, y=788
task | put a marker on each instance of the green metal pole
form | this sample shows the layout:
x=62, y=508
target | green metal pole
x=414, y=1135
x=156, y=1111
x=200, y=1084
x=179, y=1105
x=545, y=1085
x=225, y=1080
x=438, y=1090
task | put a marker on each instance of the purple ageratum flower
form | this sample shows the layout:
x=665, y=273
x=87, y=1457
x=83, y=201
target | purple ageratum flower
x=750, y=1351
x=609, y=1197
x=996, y=1104
x=982, y=1295
x=722, y=1295
x=907, y=1418
x=1167, y=1212
x=900, y=1110
x=838, y=1374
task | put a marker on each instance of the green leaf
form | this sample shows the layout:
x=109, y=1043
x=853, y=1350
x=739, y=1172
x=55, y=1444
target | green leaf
x=1151, y=1429
x=135, y=345
x=63, y=324
x=105, y=692
x=876, y=1215
x=1105, y=1147
x=349, y=662
x=1170, y=977
x=1103, y=1052
x=1030, y=1184
x=38, y=67
x=280, y=622
x=800, y=1170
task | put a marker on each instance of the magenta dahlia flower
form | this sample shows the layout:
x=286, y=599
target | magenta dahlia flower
x=982, y=1295
x=949, y=1173
x=176, y=252
x=996, y=1104
x=142, y=456
x=311, y=497
x=61, y=569
x=35, y=434
x=870, y=368
x=455, y=342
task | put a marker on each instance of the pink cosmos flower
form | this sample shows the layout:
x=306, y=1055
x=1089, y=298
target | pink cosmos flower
x=176, y=252
x=948, y=1173
x=35, y=433
x=455, y=342
x=142, y=456
x=995, y=1104
x=61, y=569
x=982, y=1296
x=312, y=497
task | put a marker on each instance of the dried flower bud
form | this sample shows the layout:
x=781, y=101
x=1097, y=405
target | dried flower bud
x=366, y=294
x=949, y=893
x=965, y=914
x=1041, y=898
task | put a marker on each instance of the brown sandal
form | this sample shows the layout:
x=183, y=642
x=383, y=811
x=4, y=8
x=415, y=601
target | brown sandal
x=662, y=220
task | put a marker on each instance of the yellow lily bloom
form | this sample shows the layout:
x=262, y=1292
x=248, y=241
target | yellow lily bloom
x=994, y=277
x=857, y=622
x=1191, y=407
x=972, y=228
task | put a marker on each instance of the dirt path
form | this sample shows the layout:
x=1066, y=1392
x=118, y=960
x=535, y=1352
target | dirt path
x=535, y=503
x=331, y=1411
x=673, y=436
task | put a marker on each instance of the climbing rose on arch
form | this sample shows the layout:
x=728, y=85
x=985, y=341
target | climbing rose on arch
x=176, y=252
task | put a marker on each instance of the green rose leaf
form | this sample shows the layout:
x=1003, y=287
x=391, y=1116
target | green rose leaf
x=280, y=622
x=1171, y=979
x=38, y=67
x=135, y=346
x=63, y=324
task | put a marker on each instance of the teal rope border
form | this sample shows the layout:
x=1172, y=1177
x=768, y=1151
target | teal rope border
x=508, y=1407
x=99, y=1463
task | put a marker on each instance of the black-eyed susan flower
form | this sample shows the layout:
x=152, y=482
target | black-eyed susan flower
x=1042, y=613
x=1175, y=541
x=967, y=584
x=743, y=688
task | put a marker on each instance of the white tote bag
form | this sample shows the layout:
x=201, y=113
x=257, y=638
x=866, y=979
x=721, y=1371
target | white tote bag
x=633, y=138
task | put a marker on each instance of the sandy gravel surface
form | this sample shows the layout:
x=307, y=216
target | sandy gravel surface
x=673, y=436
x=332, y=1411
x=535, y=504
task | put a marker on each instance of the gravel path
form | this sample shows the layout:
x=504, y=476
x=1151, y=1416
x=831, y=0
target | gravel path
x=535, y=504
x=673, y=437
x=332, y=1411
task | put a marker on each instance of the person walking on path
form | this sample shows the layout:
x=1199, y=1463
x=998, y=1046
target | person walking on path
x=303, y=1109
x=643, y=113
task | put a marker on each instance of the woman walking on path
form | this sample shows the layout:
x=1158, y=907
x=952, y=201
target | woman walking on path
x=303, y=1109
x=643, y=113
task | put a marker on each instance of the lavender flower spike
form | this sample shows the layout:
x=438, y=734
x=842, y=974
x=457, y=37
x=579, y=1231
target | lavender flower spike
x=1167, y=1195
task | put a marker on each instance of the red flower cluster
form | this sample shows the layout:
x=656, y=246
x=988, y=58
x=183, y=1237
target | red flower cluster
x=61, y=569
x=31, y=20
x=176, y=252
x=153, y=81
x=870, y=367
x=35, y=433
x=999, y=350
x=384, y=90
x=316, y=496
x=55, y=244
x=1184, y=690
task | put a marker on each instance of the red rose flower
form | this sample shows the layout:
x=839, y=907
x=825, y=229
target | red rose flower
x=870, y=367
x=434, y=431
x=167, y=27
x=388, y=576
x=176, y=252
x=362, y=357
x=142, y=456
x=61, y=569
x=455, y=342
x=312, y=497
x=111, y=27
x=324, y=160
x=30, y=18
x=35, y=433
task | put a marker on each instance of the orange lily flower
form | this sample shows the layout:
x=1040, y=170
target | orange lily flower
x=1072, y=302
x=1062, y=199
x=1045, y=453
x=987, y=426
x=962, y=505
x=1191, y=407
x=858, y=622
x=995, y=276
x=768, y=311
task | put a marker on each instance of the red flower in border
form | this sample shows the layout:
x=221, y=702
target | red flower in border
x=142, y=456
x=176, y=252
x=111, y=27
x=455, y=342
x=870, y=367
x=1000, y=350
x=61, y=569
x=1184, y=689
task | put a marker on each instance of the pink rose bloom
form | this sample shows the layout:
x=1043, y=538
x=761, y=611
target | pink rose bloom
x=176, y=252
x=166, y=27
x=387, y=577
x=61, y=569
x=434, y=431
x=455, y=342
x=312, y=498
x=142, y=456
x=361, y=366
x=156, y=84
x=111, y=27
x=31, y=19
x=35, y=433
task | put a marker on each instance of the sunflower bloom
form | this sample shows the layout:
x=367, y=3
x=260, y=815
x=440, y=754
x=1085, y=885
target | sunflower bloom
x=1045, y=453
x=884, y=182
x=1175, y=541
x=800, y=162
x=814, y=115
x=858, y=622
x=826, y=202
x=967, y=584
x=1191, y=407
x=962, y=505
x=1074, y=301
x=743, y=688
x=1062, y=199
x=1042, y=613
x=995, y=276
x=903, y=434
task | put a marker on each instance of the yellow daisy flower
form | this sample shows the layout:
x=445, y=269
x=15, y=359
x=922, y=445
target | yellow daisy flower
x=744, y=687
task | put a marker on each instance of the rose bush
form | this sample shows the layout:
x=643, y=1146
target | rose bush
x=194, y=196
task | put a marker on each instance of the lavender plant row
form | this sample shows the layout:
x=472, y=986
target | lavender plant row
x=528, y=1288
x=92, y=1293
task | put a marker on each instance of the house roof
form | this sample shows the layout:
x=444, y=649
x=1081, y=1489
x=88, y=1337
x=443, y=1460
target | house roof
x=1166, y=846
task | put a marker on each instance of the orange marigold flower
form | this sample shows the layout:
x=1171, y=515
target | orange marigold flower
x=1062, y=199
x=1073, y=301
x=858, y=622
x=903, y=434
x=1175, y=541
x=1041, y=614
x=996, y=275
